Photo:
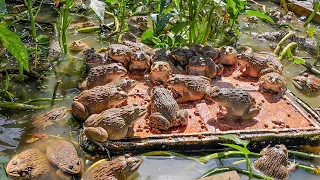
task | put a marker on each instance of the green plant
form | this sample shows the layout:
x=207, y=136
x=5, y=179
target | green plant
x=241, y=146
x=316, y=8
x=12, y=42
x=4, y=91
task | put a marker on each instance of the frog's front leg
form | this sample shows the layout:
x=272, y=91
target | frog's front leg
x=156, y=120
x=130, y=132
x=228, y=115
x=250, y=113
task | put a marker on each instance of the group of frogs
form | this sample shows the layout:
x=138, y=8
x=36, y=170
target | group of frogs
x=178, y=76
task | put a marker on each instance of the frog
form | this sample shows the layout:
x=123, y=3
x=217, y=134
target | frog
x=182, y=55
x=307, y=83
x=120, y=168
x=30, y=163
x=112, y=124
x=165, y=111
x=120, y=53
x=94, y=59
x=160, y=72
x=49, y=118
x=240, y=105
x=272, y=36
x=128, y=36
x=190, y=87
x=63, y=154
x=139, y=61
x=125, y=84
x=96, y=100
x=227, y=56
x=139, y=22
x=104, y=74
x=258, y=64
x=138, y=47
x=164, y=55
x=203, y=66
x=273, y=162
x=209, y=51
x=78, y=46
x=273, y=82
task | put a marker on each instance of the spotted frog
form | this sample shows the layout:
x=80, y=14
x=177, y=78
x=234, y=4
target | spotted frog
x=273, y=162
x=112, y=124
x=238, y=103
x=120, y=168
x=120, y=53
x=78, y=46
x=189, y=87
x=307, y=83
x=165, y=112
x=273, y=82
x=160, y=72
x=203, y=66
x=49, y=118
x=30, y=163
x=227, y=56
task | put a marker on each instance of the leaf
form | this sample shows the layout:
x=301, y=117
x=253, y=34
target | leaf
x=311, y=31
x=111, y=1
x=260, y=15
x=298, y=60
x=162, y=22
x=7, y=82
x=99, y=8
x=164, y=4
x=3, y=7
x=237, y=147
x=178, y=27
x=235, y=138
x=289, y=54
x=147, y=35
x=14, y=45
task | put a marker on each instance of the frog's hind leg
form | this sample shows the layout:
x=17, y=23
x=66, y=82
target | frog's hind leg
x=156, y=120
x=228, y=115
x=96, y=135
x=250, y=113
x=79, y=110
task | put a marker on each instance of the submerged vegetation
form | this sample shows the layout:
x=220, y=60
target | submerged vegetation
x=209, y=60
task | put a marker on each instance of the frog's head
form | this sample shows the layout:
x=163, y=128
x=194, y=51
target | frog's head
x=73, y=167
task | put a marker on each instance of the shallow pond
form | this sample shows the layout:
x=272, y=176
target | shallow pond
x=16, y=125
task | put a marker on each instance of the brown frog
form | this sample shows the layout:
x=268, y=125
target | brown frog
x=203, y=66
x=165, y=112
x=63, y=155
x=135, y=47
x=30, y=163
x=104, y=74
x=112, y=124
x=125, y=84
x=273, y=82
x=238, y=103
x=120, y=53
x=160, y=72
x=227, y=56
x=96, y=100
x=273, y=162
x=189, y=87
x=120, y=168
x=78, y=46
x=256, y=65
x=49, y=118
x=139, y=61
x=182, y=55
x=94, y=59
x=307, y=83
x=209, y=51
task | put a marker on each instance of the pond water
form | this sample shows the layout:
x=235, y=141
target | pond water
x=15, y=125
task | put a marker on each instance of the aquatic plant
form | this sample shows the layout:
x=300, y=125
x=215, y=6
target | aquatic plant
x=4, y=92
x=316, y=8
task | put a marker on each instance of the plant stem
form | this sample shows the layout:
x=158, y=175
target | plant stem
x=168, y=153
x=18, y=106
x=43, y=99
x=55, y=92
x=225, y=155
x=33, y=30
x=287, y=36
x=285, y=50
x=316, y=8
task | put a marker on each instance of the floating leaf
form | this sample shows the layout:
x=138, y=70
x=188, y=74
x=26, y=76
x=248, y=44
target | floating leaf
x=235, y=138
x=298, y=60
x=13, y=44
x=99, y=8
x=260, y=15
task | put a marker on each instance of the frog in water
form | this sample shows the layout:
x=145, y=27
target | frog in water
x=120, y=168
x=30, y=163
x=62, y=154
x=238, y=102
x=273, y=162
x=165, y=111
x=112, y=124
x=78, y=46
x=307, y=83
x=49, y=118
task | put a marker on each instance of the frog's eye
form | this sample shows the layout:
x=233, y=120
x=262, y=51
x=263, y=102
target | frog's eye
x=134, y=104
x=127, y=156
x=78, y=163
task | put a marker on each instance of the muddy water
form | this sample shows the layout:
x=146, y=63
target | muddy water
x=15, y=128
